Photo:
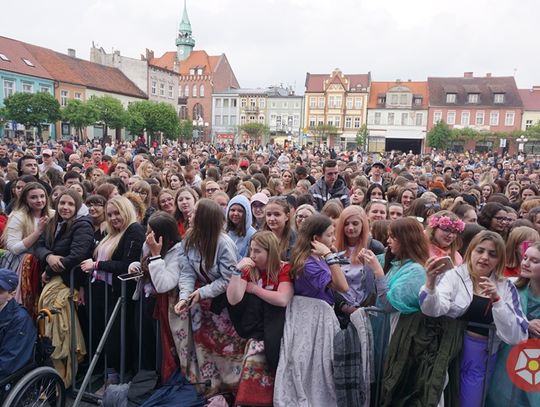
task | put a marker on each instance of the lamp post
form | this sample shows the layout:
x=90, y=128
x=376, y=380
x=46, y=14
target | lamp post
x=521, y=143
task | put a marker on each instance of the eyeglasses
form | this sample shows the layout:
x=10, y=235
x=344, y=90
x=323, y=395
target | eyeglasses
x=502, y=219
x=212, y=190
x=141, y=193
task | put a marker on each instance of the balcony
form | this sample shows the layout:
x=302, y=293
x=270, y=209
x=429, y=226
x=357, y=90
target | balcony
x=251, y=109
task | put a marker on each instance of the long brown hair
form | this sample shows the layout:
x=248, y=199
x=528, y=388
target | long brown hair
x=522, y=282
x=269, y=242
x=50, y=231
x=313, y=226
x=413, y=242
x=207, y=228
x=499, y=248
x=341, y=239
x=284, y=240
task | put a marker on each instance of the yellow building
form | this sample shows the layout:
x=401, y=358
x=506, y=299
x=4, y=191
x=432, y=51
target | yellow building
x=337, y=100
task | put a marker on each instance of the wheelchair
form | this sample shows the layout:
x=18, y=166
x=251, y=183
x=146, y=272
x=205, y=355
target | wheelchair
x=38, y=383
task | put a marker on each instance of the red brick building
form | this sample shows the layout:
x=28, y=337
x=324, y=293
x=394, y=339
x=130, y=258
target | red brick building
x=486, y=104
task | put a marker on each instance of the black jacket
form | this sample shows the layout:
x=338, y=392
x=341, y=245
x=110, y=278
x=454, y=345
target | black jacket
x=128, y=250
x=74, y=245
x=321, y=193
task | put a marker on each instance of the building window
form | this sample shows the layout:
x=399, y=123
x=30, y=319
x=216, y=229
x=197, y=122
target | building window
x=479, y=118
x=404, y=119
x=394, y=99
x=494, y=119
x=28, y=62
x=4, y=58
x=473, y=98
x=358, y=103
x=154, y=88
x=403, y=99
x=233, y=120
x=419, y=119
x=201, y=91
x=509, y=119
x=320, y=103
x=9, y=88
x=198, y=112
x=183, y=113
x=337, y=121
x=242, y=119
x=233, y=102
x=262, y=103
x=78, y=96
x=451, y=118
x=381, y=100
x=391, y=119
x=27, y=87
x=312, y=102
x=192, y=71
x=285, y=105
x=171, y=91
x=199, y=71
x=498, y=98
x=194, y=91
x=251, y=119
x=243, y=103
x=44, y=89
x=418, y=101
x=63, y=97
x=252, y=103
x=320, y=121
x=217, y=120
x=312, y=121
x=450, y=98
x=348, y=122
x=217, y=103
x=377, y=118
x=349, y=103
x=261, y=119
x=357, y=121
x=465, y=118
x=330, y=121
x=296, y=121
x=528, y=124
x=225, y=120
x=186, y=91
x=161, y=89
x=437, y=117
x=225, y=103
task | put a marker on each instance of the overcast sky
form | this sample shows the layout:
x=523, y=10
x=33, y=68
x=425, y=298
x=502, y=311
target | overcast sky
x=272, y=42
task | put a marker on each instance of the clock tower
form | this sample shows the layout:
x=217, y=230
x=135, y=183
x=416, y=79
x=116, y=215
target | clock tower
x=184, y=40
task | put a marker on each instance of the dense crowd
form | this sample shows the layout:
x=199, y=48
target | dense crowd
x=270, y=268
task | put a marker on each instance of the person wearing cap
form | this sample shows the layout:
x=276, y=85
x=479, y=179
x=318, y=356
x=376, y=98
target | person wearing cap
x=48, y=162
x=377, y=170
x=17, y=330
x=258, y=203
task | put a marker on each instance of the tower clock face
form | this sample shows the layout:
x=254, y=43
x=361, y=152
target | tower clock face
x=181, y=52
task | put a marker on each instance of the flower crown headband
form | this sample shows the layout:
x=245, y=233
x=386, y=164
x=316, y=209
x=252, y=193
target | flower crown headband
x=447, y=224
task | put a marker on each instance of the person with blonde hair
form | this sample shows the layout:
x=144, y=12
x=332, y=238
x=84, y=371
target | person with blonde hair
x=145, y=170
x=119, y=248
x=518, y=240
x=303, y=212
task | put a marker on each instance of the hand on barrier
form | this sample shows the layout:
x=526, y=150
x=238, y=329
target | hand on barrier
x=87, y=265
x=134, y=267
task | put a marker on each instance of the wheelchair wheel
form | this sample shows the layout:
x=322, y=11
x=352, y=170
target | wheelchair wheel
x=40, y=387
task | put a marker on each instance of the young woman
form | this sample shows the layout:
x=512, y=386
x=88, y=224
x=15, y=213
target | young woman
x=476, y=292
x=96, y=211
x=374, y=192
x=314, y=268
x=465, y=212
x=278, y=221
x=144, y=190
x=302, y=213
x=494, y=217
x=119, y=248
x=185, y=201
x=442, y=230
x=166, y=201
x=159, y=287
x=258, y=293
x=289, y=184
x=406, y=197
x=258, y=203
x=395, y=210
x=518, y=241
x=238, y=224
x=352, y=235
x=175, y=181
x=502, y=391
x=376, y=210
x=209, y=347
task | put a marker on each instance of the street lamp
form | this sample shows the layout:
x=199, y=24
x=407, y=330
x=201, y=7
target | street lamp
x=521, y=142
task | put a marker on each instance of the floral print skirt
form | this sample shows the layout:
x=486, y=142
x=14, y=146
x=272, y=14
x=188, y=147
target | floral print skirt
x=209, y=349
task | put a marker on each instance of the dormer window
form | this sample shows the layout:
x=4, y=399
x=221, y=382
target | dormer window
x=473, y=98
x=498, y=98
x=4, y=58
x=417, y=101
x=192, y=71
x=450, y=98
x=199, y=71
x=381, y=100
x=27, y=62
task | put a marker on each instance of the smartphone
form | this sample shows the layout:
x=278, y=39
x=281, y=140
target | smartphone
x=447, y=263
x=129, y=276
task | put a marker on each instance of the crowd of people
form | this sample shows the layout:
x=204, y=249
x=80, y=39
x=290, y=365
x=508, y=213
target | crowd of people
x=268, y=267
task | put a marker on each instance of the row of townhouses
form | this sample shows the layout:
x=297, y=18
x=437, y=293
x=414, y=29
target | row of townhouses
x=203, y=88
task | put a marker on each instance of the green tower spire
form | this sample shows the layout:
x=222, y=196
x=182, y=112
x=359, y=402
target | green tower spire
x=184, y=41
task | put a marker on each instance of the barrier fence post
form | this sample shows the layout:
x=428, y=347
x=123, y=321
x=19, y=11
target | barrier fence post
x=72, y=339
x=141, y=299
x=123, y=334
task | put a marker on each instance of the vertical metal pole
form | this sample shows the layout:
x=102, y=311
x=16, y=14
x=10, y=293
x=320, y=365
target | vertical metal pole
x=488, y=357
x=90, y=324
x=380, y=366
x=158, y=347
x=141, y=299
x=105, y=319
x=123, y=334
x=73, y=341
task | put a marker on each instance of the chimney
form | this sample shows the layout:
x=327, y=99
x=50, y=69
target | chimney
x=488, y=75
x=72, y=53
x=398, y=81
x=467, y=74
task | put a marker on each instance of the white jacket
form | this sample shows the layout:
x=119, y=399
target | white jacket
x=453, y=295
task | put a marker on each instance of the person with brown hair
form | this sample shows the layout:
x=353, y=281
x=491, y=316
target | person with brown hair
x=518, y=240
x=278, y=221
x=443, y=229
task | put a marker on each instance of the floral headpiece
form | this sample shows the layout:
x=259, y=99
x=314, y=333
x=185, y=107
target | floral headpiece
x=447, y=224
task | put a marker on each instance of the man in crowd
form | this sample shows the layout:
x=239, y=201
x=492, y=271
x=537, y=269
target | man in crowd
x=331, y=185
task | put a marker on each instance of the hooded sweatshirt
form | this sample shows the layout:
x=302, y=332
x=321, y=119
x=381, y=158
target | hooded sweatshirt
x=241, y=242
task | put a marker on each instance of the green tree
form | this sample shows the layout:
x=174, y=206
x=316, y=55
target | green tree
x=109, y=112
x=323, y=131
x=32, y=109
x=439, y=136
x=79, y=114
x=362, y=136
x=3, y=116
x=255, y=131
x=153, y=118
x=186, y=129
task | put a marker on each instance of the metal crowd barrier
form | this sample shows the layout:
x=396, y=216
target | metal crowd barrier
x=85, y=389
